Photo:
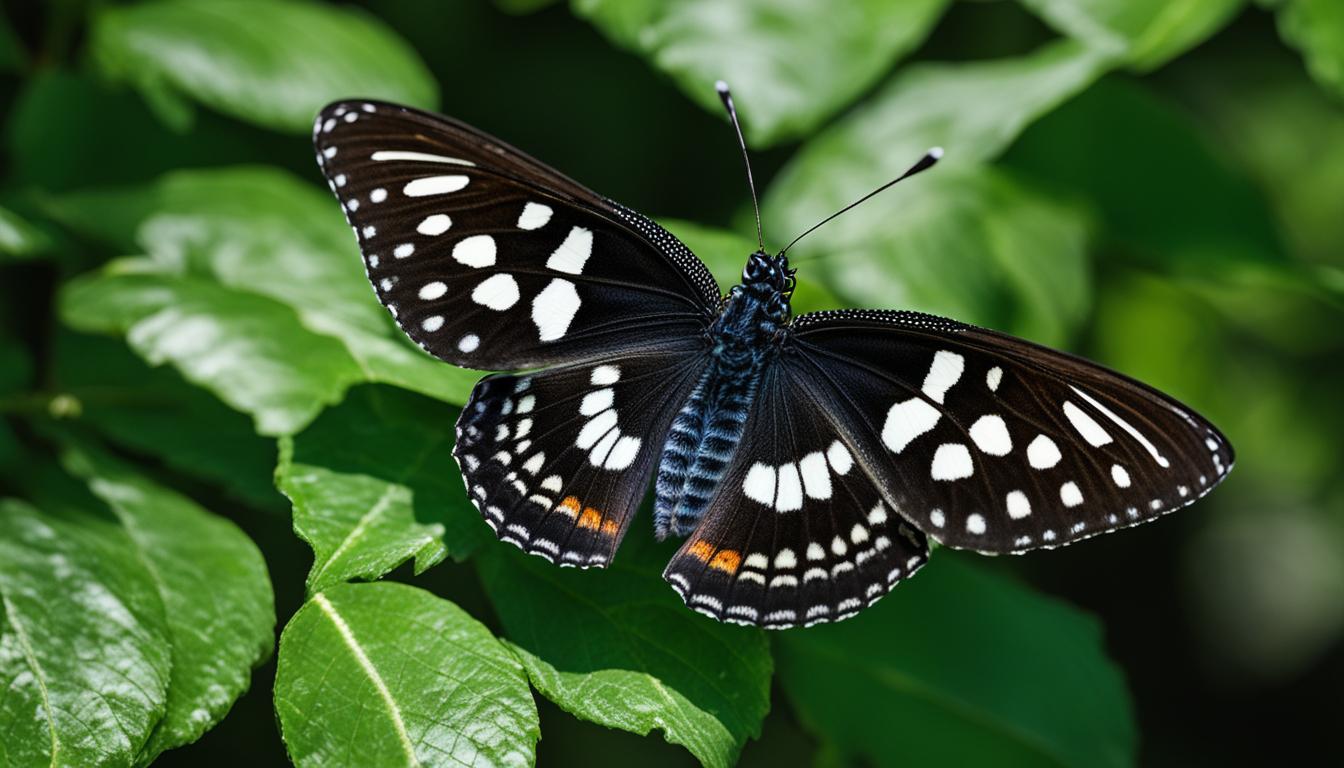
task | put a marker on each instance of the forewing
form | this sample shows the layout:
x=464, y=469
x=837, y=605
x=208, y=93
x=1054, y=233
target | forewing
x=995, y=444
x=558, y=460
x=798, y=532
x=488, y=259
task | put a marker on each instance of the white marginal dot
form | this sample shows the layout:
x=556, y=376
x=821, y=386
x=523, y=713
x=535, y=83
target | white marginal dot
x=760, y=484
x=906, y=421
x=378, y=195
x=534, y=216
x=573, y=253
x=468, y=343
x=815, y=552
x=1070, y=494
x=329, y=152
x=838, y=546
x=553, y=483
x=757, y=560
x=340, y=179
x=878, y=514
x=476, y=251
x=497, y=292
x=1018, y=505
x=858, y=534
x=434, y=185
x=435, y=224
x=434, y=290
x=975, y=524
x=952, y=461
x=1043, y=453
x=937, y=518
x=991, y=435
x=403, y=250
x=554, y=309
x=432, y=323
x=369, y=232
x=1120, y=475
x=786, y=559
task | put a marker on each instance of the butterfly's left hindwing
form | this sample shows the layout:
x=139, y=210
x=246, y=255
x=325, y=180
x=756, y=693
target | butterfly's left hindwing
x=798, y=531
x=488, y=259
x=558, y=460
x=995, y=444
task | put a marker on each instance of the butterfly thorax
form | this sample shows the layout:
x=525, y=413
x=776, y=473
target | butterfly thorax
x=742, y=341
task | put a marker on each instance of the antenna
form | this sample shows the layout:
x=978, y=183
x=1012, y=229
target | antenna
x=727, y=97
x=926, y=162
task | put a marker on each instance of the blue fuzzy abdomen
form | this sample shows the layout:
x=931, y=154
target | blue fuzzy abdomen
x=706, y=431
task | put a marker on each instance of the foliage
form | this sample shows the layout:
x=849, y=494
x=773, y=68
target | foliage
x=196, y=380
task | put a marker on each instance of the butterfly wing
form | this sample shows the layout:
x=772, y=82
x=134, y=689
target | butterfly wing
x=558, y=460
x=995, y=444
x=488, y=259
x=798, y=532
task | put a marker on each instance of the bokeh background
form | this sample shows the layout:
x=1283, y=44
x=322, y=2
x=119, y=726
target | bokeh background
x=1158, y=186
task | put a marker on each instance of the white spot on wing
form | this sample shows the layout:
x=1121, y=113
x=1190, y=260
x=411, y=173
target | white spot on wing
x=790, y=491
x=596, y=427
x=943, y=373
x=975, y=524
x=434, y=290
x=534, y=216
x=468, y=343
x=1120, y=475
x=554, y=309
x=597, y=401
x=1070, y=494
x=605, y=375
x=573, y=253
x=952, y=461
x=838, y=456
x=906, y=421
x=384, y=155
x=1043, y=453
x=435, y=224
x=1125, y=425
x=476, y=251
x=497, y=292
x=760, y=484
x=1018, y=505
x=816, y=478
x=1086, y=425
x=991, y=435
x=993, y=378
x=623, y=453
x=434, y=185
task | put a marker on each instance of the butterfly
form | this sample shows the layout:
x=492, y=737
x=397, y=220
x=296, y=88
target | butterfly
x=806, y=461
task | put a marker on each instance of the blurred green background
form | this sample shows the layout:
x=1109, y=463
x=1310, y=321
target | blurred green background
x=1156, y=185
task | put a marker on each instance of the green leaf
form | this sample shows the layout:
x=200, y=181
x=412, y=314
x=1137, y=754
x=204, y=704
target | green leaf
x=960, y=667
x=374, y=483
x=12, y=56
x=791, y=64
x=84, y=649
x=216, y=595
x=20, y=240
x=261, y=230
x=617, y=647
x=153, y=411
x=251, y=351
x=1316, y=27
x=386, y=674
x=269, y=62
x=725, y=253
x=962, y=224
x=1146, y=140
x=1147, y=33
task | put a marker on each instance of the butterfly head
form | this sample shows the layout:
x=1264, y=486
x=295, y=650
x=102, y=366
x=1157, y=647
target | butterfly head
x=770, y=271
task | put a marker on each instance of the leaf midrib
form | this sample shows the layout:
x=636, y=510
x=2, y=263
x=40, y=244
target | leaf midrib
x=11, y=614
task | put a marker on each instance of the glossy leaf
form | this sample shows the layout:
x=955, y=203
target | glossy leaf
x=374, y=483
x=271, y=62
x=386, y=674
x=1147, y=33
x=84, y=648
x=617, y=647
x=961, y=667
x=1316, y=27
x=791, y=64
x=216, y=595
x=262, y=231
x=145, y=410
x=20, y=240
x=251, y=351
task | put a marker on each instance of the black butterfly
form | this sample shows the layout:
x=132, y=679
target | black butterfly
x=805, y=459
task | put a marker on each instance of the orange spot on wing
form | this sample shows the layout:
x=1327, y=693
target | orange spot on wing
x=701, y=550
x=610, y=528
x=590, y=518
x=570, y=506
x=726, y=560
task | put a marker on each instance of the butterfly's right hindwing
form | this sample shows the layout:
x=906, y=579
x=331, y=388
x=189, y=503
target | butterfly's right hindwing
x=488, y=259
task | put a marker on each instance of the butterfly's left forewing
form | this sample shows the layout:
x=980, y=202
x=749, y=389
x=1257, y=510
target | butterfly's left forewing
x=995, y=444
x=489, y=259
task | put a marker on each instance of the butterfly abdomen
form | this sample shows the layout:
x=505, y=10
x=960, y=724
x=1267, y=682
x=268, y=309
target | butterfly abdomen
x=707, y=429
